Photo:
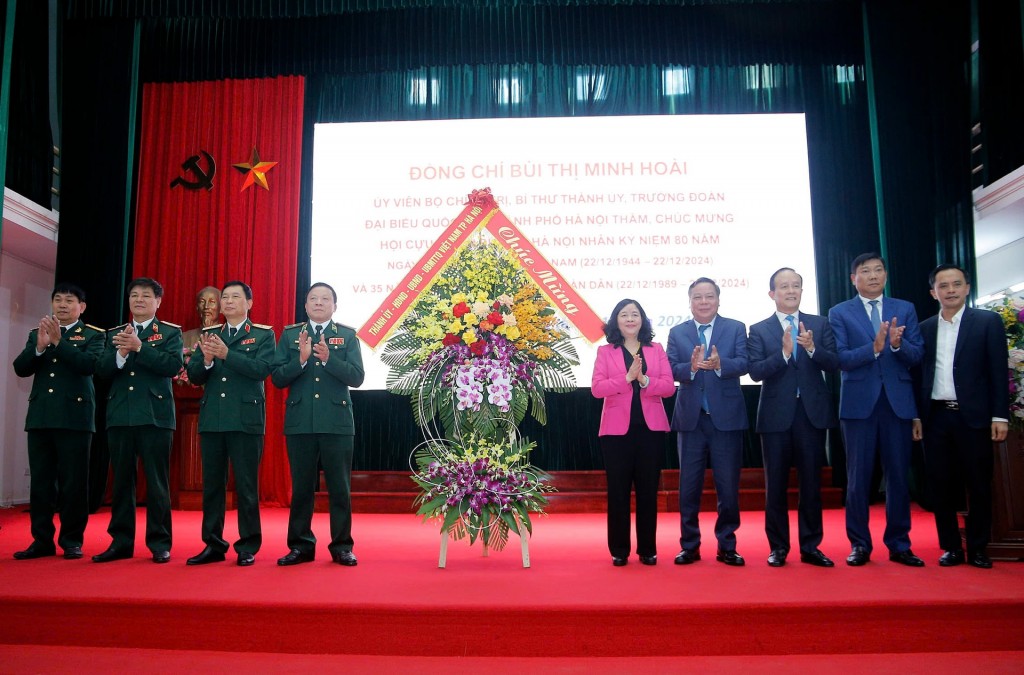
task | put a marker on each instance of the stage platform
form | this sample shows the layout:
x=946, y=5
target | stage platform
x=571, y=611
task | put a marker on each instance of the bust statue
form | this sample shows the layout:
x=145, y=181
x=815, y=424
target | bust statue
x=207, y=309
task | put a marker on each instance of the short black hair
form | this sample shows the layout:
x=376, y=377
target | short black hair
x=146, y=282
x=245, y=288
x=704, y=280
x=771, y=281
x=944, y=267
x=321, y=284
x=611, y=329
x=69, y=289
x=863, y=258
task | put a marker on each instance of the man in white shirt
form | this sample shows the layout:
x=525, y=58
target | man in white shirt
x=963, y=407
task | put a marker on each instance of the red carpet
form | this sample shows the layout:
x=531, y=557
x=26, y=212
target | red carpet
x=570, y=603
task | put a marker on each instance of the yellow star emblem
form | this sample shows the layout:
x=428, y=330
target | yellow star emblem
x=255, y=171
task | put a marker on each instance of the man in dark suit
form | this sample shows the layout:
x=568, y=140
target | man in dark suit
x=140, y=359
x=318, y=360
x=60, y=356
x=789, y=353
x=964, y=406
x=708, y=354
x=232, y=361
x=876, y=405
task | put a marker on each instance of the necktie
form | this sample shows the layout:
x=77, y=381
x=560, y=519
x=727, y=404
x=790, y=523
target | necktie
x=232, y=331
x=63, y=330
x=704, y=344
x=792, y=331
x=317, y=332
x=138, y=328
x=876, y=318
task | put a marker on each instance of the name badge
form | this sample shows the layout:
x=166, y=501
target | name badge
x=249, y=341
x=154, y=337
x=336, y=341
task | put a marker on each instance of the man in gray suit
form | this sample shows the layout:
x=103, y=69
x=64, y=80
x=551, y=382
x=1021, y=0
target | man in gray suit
x=789, y=353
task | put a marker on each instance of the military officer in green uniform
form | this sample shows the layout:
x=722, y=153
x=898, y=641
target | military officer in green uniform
x=140, y=359
x=61, y=354
x=318, y=360
x=232, y=361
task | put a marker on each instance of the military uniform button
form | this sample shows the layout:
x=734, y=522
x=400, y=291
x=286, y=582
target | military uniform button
x=131, y=388
x=318, y=363
x=223, y=395
x=50, y=390
x=131, y=374
x=223, y=379
x=316, y=379
x=53, y=374
x=79, y=399
x=316, y=395
x=55, y=360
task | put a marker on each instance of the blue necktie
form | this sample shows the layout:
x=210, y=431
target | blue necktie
x=703, y=391
x=793, y=331
x=876, y=318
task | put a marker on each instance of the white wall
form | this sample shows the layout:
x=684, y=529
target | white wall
x=28, y=253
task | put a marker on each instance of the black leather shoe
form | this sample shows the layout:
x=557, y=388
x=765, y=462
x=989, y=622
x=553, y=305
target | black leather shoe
x=980, y=560
x=619, y=561
x=648, y=560
x=730, y=558
x=952, y=558
x=294, y=557
x=161, y=557
x=688, y=556
x=858, y=556
x=346, y=558
x=245, y=559
x=906, y=558
x=112, y=554
x=816, y=558
x=73, y=553
x=34, y=551
x=777, y=558
x=205, y=557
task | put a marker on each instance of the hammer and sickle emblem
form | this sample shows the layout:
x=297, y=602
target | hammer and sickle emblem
x=205, y=178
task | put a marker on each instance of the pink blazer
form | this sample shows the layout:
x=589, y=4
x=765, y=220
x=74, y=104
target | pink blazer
x=609, y=383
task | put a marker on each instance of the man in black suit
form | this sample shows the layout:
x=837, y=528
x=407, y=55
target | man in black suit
x=964, y=406
x=708, y=354
x=789, y=353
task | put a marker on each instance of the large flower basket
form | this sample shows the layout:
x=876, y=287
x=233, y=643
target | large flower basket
x=476, y=353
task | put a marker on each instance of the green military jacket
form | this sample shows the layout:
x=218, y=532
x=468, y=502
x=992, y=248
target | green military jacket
x=140, y=393
x=62, y=396
x=318, y=395
x=233, y=395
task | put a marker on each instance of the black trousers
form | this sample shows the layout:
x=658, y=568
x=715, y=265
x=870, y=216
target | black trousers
x=958, y=458
x=58, y=462
x=152, y=445
x=801, y=446
x=334, y=453
x=633, y=461
x=244, y=452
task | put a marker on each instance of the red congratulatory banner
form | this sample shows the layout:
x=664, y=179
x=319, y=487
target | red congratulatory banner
x=405, y=294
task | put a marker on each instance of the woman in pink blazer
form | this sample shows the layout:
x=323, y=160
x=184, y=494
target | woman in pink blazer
x=632, y=375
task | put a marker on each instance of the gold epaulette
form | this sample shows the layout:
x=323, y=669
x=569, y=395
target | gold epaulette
x=295, y=325
x=264, y=327
x=342, y=325
x=89, y=325
x=168, y=323
x=121, y=327
x=215, y=326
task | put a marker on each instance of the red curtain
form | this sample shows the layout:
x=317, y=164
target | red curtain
x=189, y=238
